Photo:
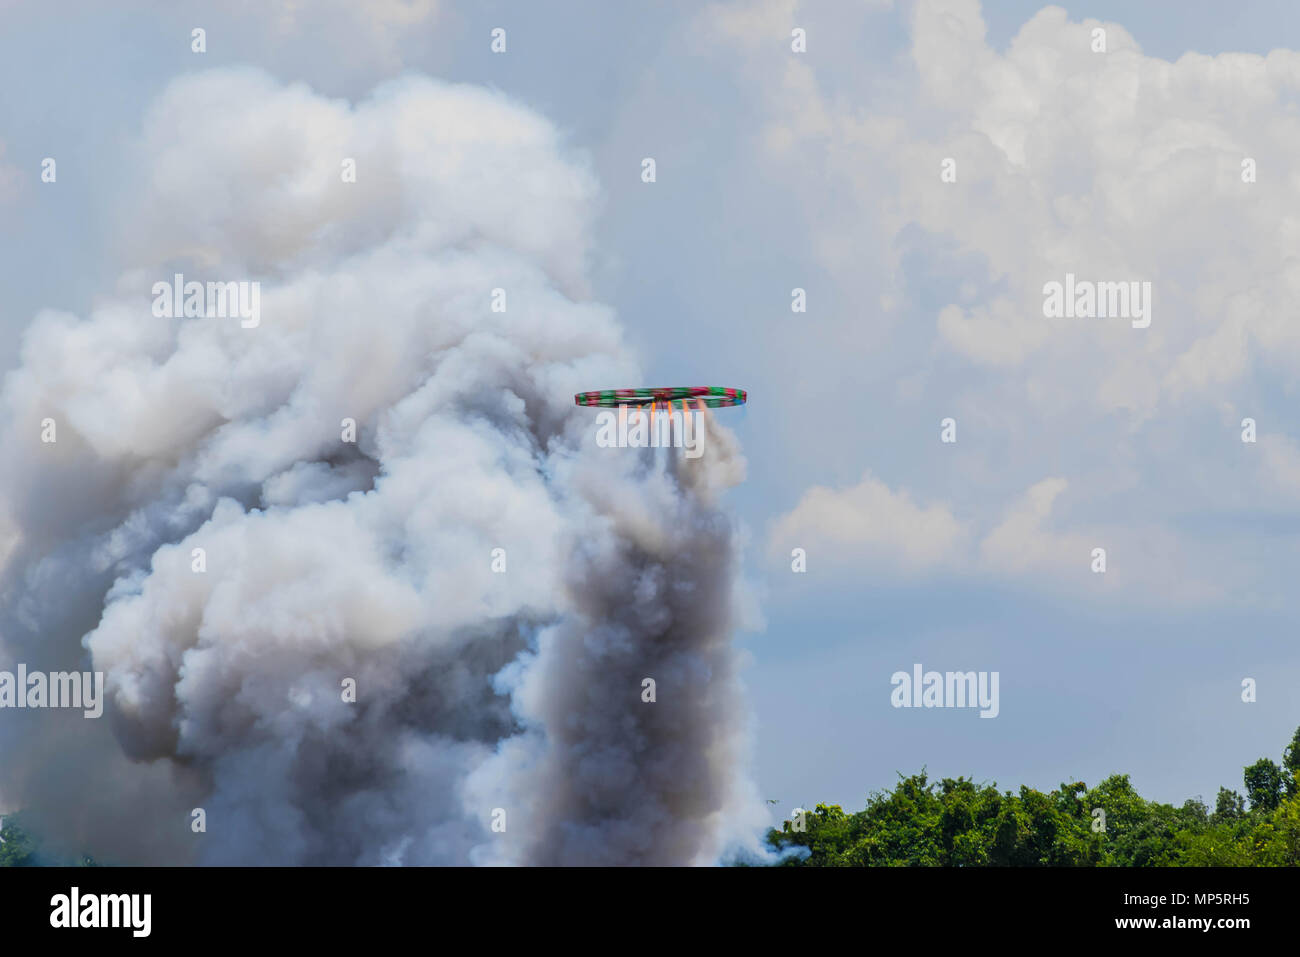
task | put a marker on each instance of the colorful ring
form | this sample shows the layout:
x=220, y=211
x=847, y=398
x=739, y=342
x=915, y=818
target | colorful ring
x=713, y=397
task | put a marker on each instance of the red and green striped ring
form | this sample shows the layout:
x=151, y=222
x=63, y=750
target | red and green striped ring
x=713, y=397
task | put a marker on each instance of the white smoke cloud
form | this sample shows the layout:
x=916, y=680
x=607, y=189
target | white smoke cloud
x=328, y=560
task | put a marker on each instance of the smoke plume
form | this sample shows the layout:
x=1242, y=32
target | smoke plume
x=491, y=686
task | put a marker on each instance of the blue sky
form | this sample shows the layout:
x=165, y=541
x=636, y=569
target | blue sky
x=821, y=171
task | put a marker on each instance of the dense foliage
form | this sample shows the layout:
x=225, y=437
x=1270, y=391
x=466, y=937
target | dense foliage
x=18, y=849
x=21, y=849
x=956, y=822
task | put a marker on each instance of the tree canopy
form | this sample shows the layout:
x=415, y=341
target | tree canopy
x=956, y=822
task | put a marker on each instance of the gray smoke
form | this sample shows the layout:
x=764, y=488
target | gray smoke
x=370, y=560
